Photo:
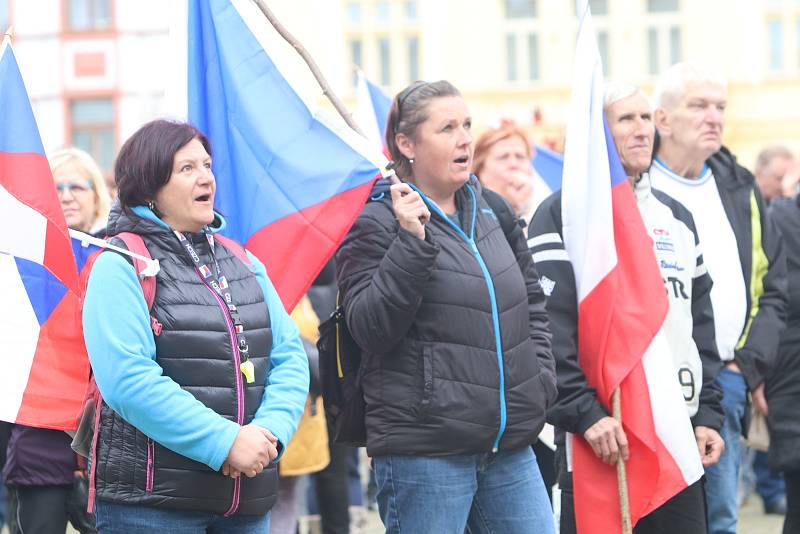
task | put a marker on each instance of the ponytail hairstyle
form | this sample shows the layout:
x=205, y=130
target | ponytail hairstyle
x=408, y=111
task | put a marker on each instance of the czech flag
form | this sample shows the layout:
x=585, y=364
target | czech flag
x=621, y=310
x=372, y=110
x=45, y=369
x=290, y=180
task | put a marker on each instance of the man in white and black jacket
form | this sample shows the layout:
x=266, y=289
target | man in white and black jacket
x=743, y=252
x=689, y=326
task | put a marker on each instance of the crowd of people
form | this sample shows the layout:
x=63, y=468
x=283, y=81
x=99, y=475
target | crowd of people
x=461, y=295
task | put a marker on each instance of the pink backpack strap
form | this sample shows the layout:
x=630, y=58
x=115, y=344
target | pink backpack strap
x=237, y=249
x=135, y=243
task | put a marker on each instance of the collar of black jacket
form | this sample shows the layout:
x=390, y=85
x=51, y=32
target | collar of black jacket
x=727, y=170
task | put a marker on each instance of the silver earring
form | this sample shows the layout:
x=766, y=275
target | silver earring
x=151, y=205
x=411, y=160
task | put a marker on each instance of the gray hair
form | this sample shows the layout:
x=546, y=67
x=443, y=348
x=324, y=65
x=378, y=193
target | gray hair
x=769, y=153
x=613, y=92
x=672, y=83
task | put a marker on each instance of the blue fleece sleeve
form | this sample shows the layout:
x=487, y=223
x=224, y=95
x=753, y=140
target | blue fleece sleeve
x=116, y=327
x=287, y=381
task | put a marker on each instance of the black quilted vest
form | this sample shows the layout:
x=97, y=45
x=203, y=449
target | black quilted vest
x=195, y=350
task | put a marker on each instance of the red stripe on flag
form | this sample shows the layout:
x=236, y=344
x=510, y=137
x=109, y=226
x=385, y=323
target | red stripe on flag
x=59, y=375
x=295, y=248
x=28, y=178
x=618, y=321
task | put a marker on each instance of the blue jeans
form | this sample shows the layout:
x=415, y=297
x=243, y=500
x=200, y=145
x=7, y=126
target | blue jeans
x=722, y=478
x=114, y=518
x=478, y=493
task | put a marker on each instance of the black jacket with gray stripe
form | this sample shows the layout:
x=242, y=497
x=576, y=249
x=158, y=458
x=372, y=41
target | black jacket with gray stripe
x=689, y=325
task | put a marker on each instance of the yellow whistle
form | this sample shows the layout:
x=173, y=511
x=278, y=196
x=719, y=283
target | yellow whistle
x=248, y=371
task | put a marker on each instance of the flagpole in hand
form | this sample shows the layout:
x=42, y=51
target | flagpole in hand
x=622, y=477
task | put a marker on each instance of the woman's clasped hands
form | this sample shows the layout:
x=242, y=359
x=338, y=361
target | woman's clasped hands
x=252, y=451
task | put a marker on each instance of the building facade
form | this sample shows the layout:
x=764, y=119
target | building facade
x=97, y=69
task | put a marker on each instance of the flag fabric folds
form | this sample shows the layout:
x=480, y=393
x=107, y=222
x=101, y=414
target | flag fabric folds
x=621, y=309
x=45, y=368
x=290, y=181
x=372, y=110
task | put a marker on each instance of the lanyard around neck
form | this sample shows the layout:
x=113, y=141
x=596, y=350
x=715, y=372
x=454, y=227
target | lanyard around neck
x=217, y=281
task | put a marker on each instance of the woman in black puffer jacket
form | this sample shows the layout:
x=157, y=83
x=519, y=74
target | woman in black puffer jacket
x=447, y=307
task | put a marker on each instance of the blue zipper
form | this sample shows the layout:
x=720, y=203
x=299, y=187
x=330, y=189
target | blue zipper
x=492, y=298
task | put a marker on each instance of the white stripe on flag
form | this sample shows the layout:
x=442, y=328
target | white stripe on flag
x=588, y=225
x=19, y=330
x=23, y=229
x=364, y=113
x=673, y=426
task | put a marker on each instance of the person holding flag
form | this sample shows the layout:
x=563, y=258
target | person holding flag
x=201, y=392
x=688, y=328
x=457, y=368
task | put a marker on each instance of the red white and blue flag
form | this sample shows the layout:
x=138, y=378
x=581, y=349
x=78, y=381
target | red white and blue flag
x=45, y=370
x=621, y=311
x=290, y=180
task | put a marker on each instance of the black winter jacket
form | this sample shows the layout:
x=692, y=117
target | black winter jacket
x=783, y=381
x=194, y=349
x=454, y=331
x=763, y=266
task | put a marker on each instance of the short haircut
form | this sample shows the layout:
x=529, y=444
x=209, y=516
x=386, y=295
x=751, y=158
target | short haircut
x=613, y=92
x=769, y=153
x=408, y=111
x=672, y=83
x=144, y=163
x=491, y=137
x=87, y=166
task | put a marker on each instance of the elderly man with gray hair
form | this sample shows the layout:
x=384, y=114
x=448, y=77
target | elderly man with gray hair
x=688, y=329
x=742, y=250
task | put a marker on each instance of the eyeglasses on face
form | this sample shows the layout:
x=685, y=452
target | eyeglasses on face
x=74, y=188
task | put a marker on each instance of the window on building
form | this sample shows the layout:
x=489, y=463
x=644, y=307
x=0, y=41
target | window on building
x=661, y=6
x=384, y=54
x=520, y=9
x=92, y=122
x=599, y=7
x=775, y=31
x=511, y=57
x=411, y=10
x=412, y=46
x=356, y=57
x=652, y=51
x=3, y=15
x=382, y=12
x=533, y=56
x=89, y=15
x=674, y=45
x=797, y=34
x=354, y=13
x=602, y=45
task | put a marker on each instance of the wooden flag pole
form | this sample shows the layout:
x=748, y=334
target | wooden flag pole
x=622, y=477
x=326, y=89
